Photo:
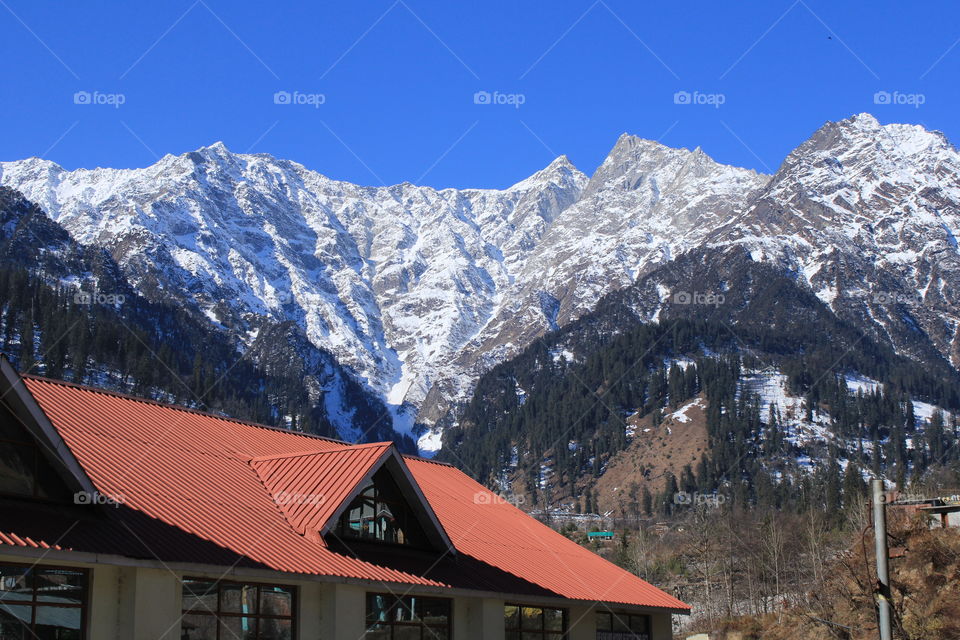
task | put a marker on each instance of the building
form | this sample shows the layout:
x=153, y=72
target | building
x=130, y=519
x=938, y=511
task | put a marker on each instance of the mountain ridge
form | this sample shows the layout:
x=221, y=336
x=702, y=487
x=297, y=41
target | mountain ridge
x=418, y=290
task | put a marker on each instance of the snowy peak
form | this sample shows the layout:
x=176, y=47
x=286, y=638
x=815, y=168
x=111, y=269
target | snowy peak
x=634, y=160
x=561, y=172
x=867, y=215
x=863, y=136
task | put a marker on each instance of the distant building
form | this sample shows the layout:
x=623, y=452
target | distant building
x=942, y=511
x=600, y=535
x=126, y=518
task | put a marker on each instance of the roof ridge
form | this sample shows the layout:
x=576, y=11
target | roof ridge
x=300, y=454
x=439, y=463
x=178, y=407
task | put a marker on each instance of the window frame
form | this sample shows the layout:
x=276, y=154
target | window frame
x=611, y=634
x=543, y=632
x=392, y=624
x=412, y=529
x=220, y=615
x=34, y=604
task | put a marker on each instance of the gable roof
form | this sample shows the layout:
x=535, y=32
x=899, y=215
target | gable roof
x=310, y=486
x=176, y=471
x=313, y=488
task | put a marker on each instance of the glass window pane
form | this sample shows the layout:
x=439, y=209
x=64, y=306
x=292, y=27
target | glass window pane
x=603, y=621
x=404, y=611
x=639, y=624
x=435, y=611
x=14, y=584
x=378, y=607
x=14, y=615
x=13, y=628
x=553, y=635
x=12, y=429
x=271, y=629
x=198, y=627
x=199, y=595
x=531, y=618
x=381, y=513
x=553, y=619
x=59, y=623
x=621, y=622
x=17, y=468
x=530, y=635
x=63, y=586
x=276, y=601
x=238, y=628
x=511, y=617
x=513, y=635
x=238, y=598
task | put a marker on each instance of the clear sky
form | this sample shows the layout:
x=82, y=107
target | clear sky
x=386, y=91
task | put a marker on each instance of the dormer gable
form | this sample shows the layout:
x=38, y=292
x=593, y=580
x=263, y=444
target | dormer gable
x=352, y=494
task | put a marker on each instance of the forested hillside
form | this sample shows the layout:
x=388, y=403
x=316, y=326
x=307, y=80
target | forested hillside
x=794, y=398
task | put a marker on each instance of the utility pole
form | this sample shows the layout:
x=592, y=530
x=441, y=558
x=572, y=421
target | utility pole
x=883, y=571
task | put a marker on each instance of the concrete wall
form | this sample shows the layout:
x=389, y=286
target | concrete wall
x=660, y=626
x=583, y=623
x=144, y=603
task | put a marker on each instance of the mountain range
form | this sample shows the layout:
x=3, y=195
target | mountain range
x=417, y=292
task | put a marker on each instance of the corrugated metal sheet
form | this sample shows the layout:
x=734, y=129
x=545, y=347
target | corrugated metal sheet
x=201, y=488
x=488, y=528
x=310, y=486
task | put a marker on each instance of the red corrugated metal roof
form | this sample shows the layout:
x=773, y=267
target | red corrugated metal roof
x=309, y=486
x=217, y=479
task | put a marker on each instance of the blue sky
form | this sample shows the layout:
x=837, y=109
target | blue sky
x=385, y=91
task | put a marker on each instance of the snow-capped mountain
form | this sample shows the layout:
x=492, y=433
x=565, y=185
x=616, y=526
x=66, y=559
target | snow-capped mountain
x=644, y=205
x=868, y=216
x=420, y=290
x=391, y=280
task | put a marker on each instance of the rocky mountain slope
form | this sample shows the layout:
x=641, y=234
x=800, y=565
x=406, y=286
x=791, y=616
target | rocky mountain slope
x=67, y=311
x=419, y=291
x=867, y=216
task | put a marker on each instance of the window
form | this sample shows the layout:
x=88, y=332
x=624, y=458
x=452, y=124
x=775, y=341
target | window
x=381, y=514
x=43, y=602
x=622, y=626
x=534, y=623
x=237, y=611
x=24, y=472
x=392, y=617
